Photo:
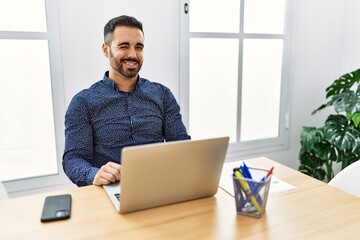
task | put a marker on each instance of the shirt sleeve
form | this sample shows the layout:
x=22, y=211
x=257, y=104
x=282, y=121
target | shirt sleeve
x=78, y=153
x=174, y=128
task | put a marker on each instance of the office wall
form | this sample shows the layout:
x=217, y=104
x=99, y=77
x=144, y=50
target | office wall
x=81, y=26
x=324, y=46
x=351, y=49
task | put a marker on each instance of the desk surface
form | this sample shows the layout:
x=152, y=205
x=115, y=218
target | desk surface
x=313, y=210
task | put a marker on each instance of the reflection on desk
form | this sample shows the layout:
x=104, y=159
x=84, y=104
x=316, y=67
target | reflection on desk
x=312, y=210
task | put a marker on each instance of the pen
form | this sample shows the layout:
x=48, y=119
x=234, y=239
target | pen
x=246, y=189
x=245, y=171
x=253, y=187
x=256, y=190
x=269, y=172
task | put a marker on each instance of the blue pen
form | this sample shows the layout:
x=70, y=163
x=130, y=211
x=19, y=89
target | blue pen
x=246, y=171
x=254, y=187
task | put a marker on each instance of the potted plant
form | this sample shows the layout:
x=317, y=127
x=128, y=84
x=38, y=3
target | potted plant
x=339, y=139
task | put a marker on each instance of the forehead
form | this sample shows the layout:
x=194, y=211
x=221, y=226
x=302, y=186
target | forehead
x=128, y=34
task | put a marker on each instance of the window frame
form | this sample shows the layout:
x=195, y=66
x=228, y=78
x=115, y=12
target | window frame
x=255, y=147
x=52, y=35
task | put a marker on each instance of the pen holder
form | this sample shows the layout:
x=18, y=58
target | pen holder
x=251, y=194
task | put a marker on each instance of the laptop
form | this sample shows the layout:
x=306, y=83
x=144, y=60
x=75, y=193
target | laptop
x=159, y=174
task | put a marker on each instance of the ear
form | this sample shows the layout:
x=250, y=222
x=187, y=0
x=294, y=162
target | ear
x=106, y=50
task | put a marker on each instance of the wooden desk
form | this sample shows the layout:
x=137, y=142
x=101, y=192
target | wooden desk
x=313, y=210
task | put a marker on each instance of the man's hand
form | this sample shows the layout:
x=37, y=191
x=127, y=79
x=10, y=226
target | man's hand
x=108, y=173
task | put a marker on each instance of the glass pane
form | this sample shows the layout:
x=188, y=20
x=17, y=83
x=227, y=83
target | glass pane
x=264, y=16
x=23, y=15
x=214, y=16
x=260, y=106
x=27, y=139
x=213, y=87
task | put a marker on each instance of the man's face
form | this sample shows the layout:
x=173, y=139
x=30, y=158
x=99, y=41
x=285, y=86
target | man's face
x=125, y=52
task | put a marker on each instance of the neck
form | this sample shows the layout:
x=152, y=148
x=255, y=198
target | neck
x=123, y=83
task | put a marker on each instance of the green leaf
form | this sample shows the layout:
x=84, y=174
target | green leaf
x=356, y=119
x=310, y=136
x=347, y=101
x=347, y=157
x=339, y=132
x=325, y=151
x=348, y=116
x=311, y=165
x=346, y=81
x=322, y=107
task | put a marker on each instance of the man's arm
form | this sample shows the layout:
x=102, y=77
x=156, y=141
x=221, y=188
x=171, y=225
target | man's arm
x=174, y=128
x=78, y=153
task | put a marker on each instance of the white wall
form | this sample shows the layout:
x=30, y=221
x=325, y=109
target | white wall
x=81, y=26
x=351, y=46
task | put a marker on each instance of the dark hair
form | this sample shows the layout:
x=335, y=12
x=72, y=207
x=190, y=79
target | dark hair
x=123, y=20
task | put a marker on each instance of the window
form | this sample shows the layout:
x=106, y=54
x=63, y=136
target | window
x=31, y=93
x=233, y=71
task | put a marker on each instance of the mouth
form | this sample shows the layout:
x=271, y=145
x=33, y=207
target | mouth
x=130, y=63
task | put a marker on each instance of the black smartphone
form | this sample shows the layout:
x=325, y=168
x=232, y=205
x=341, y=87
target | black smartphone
x=56, y=208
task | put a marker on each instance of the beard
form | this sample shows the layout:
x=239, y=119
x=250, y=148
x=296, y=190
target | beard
x=120, y=66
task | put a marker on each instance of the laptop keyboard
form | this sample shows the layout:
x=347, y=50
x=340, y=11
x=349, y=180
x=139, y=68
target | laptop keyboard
x=117, y=195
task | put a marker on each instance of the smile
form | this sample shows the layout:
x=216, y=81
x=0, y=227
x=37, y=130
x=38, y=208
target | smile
x=130, y=62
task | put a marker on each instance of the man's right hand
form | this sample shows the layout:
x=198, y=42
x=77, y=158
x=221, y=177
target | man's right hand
x=108, y=173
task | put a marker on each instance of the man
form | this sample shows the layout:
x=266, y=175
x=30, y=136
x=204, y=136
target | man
x=120, y=110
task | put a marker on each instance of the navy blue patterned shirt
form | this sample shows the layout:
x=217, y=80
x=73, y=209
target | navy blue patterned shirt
x=101, y=120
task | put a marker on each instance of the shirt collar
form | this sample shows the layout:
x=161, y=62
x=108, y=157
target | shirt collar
x=107, y=81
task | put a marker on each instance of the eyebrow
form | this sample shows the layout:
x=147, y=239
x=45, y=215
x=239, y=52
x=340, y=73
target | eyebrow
x=127, y=43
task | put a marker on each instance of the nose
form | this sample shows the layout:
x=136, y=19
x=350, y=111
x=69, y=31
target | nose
x=132, y=53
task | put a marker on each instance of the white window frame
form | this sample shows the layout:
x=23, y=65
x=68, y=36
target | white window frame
x=239, y=149
x=20, y=186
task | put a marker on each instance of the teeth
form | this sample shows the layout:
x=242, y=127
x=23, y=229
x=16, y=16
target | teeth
x=130, y=63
